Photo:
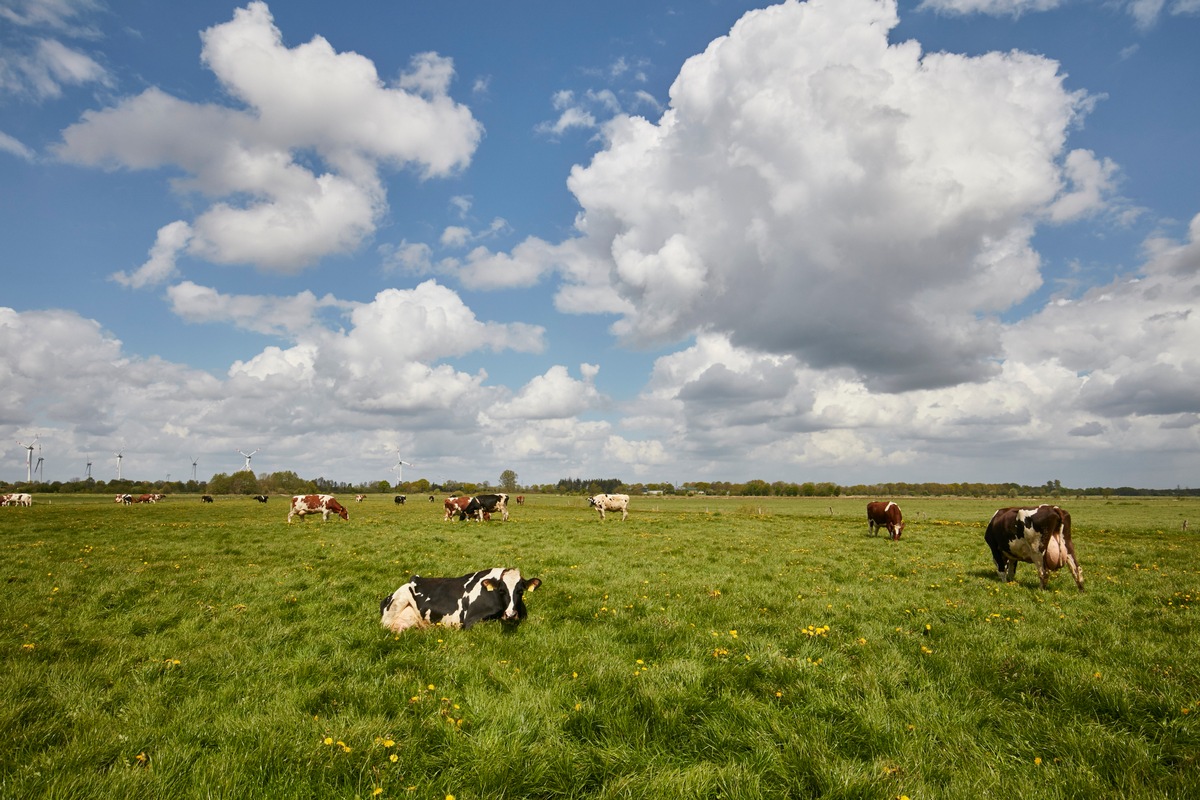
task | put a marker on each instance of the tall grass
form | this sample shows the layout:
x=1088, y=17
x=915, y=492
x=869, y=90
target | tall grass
x=707, y=647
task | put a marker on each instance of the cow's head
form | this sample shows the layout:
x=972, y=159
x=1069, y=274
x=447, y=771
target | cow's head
x=339, y=509
x=897, y=529
x=512, y=588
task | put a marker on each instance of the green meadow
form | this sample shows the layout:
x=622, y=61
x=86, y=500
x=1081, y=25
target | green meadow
x=705, y=648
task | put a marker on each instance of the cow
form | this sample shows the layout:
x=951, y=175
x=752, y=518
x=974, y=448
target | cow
x=358, y=498
x=885, y=515
x=432, y=498
x=124, y=499
x=455, y=505
x=458, y=602
x=17, y=499
x=206, y=498
x=399, y=499
x=323, y=504
x=262, y=498
x=144, y=498
x=1040, y=536
x=486, y=504
x=520, y=499
x=610, y=502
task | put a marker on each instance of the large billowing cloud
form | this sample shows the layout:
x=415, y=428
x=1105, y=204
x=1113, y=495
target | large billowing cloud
x=268, y=208
x=816, y=191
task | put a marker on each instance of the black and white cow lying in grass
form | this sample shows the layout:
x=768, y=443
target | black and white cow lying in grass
x=458, y=602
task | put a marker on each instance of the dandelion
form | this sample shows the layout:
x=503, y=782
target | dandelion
x=328, y=740
x=1037, y=761
x=432, y=687
x=28, y=646
x=378, y=791
x=393, y=758
x=388, y=743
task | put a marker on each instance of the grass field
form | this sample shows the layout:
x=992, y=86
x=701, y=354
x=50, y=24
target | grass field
x=707, y=647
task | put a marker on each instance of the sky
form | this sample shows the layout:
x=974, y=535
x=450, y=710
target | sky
x=856, y=241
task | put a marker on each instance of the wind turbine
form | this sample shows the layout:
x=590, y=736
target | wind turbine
x=246, y=467
x=194, y=460
x=119, y=454
x=29, y=458
x=89, y=467
x=399, y=466
x=38, y=469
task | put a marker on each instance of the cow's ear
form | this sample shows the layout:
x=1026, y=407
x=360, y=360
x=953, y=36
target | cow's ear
x=490, y=585
x=532, y=584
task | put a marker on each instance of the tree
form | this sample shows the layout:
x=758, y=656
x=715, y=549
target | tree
x=508, y=480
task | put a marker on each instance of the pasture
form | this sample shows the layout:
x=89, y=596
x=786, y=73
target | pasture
x=705, y=648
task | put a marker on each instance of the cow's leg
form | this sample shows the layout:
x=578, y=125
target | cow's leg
x=624, y=514
x=1076, y=570
x=1039, y=561
x=1010, y=571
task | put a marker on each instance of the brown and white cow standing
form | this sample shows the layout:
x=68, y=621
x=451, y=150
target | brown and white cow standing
x=885, y=515
x=323, y=504
x=455, y=506
x=1040, y=536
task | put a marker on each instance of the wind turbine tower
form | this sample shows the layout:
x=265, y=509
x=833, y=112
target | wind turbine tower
x=39, y=469
x=399, y=467
x=119, y=454
x=194, y=460
x=29, y=458
x=246, y=466
x=88, y=471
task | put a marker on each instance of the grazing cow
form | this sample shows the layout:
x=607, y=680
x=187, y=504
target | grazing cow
x=610, y=502
x=486, y=504
x=520, y=499
x=455, y=505
x=458, y=602
x=262, y=498
x=399, y=499
x=358, y=498
x=1040, y=536
x=323, y=504
x=206, y=498
x=6, y=499
x=17, y=499
x=431, y=498
x=885, y=515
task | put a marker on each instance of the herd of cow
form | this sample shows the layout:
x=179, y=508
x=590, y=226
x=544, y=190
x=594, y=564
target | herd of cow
x=1040, y=536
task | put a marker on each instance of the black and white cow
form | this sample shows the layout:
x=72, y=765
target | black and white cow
x=400, y=498
x=610, y=502
x=206, y=498
x=458, y=602
x=486, y=504
x=1040, y=536
x=262, y=498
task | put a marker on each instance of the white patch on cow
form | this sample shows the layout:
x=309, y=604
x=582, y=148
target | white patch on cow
x=889, y=506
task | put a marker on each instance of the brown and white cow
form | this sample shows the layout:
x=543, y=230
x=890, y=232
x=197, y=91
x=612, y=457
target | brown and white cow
x=323, y=504
x=458, y=602
x=358, y=498
x=885, y=515
x=455, y=506
x=520, y=499
x=1040, y=536
x=17, y=499
x=610, y=502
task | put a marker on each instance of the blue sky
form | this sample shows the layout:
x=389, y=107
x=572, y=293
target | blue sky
x=851, y=241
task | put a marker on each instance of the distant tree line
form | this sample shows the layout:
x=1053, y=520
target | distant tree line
x=286, y=483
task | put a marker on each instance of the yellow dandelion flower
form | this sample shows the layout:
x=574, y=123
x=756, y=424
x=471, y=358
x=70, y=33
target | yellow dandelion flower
x=1038, y=761
x=393, y=758
x=388, y=743
x=28, y=646
x=378, y=791
x=432, y=687
x=328, y=740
